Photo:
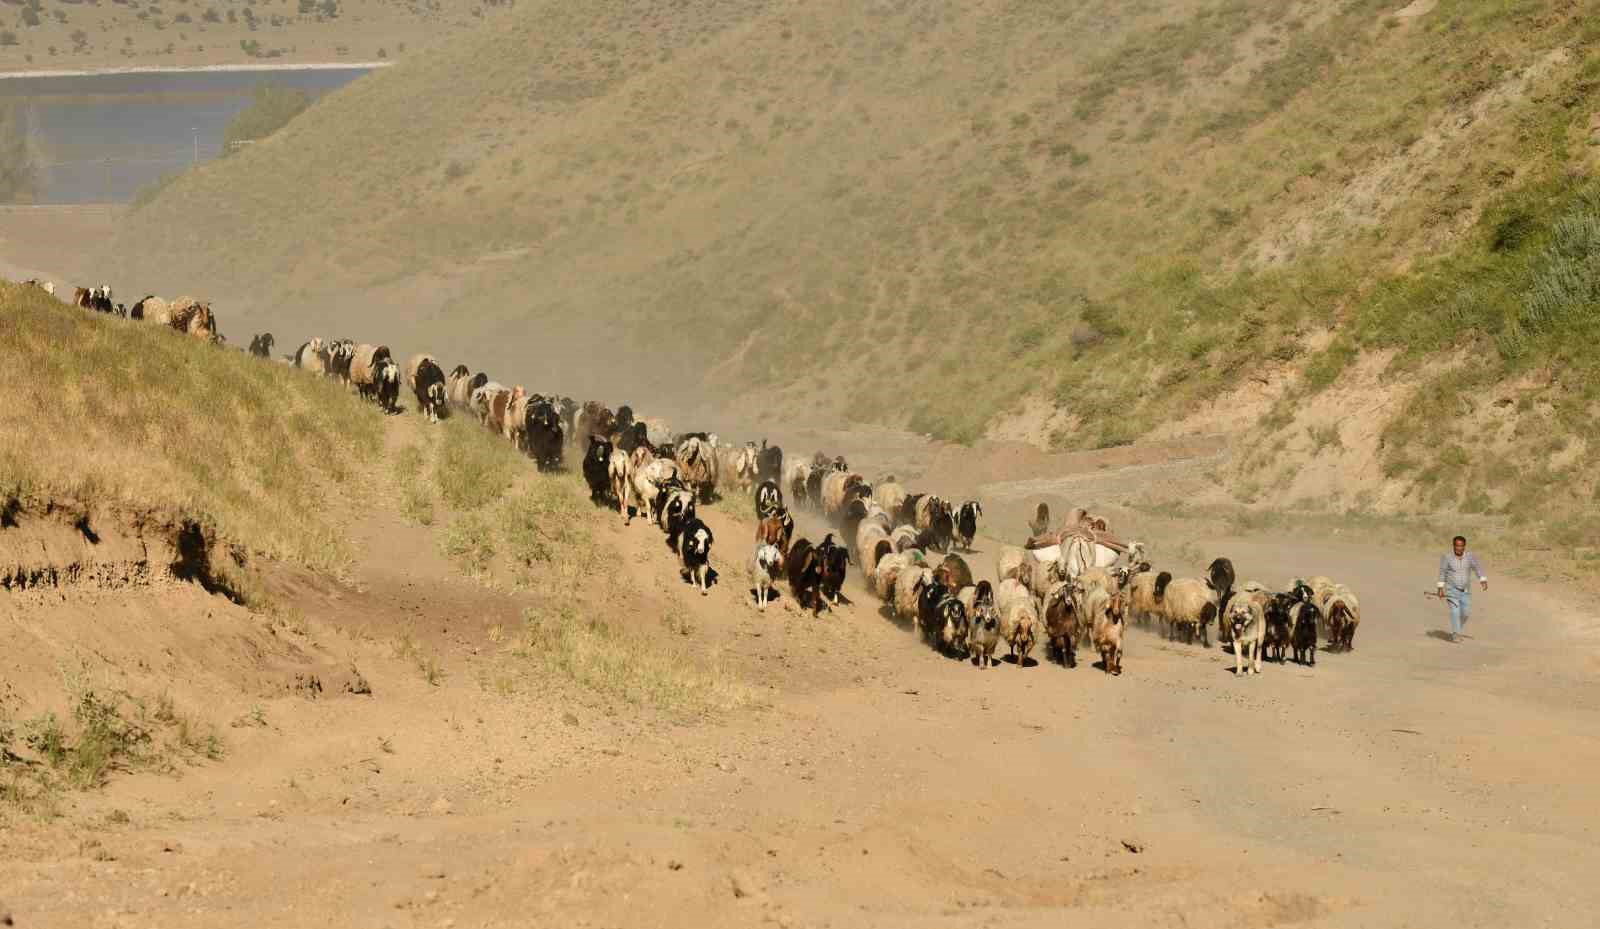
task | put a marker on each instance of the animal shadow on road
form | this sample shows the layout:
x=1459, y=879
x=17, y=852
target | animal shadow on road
x=773, y=595
x=1026, y=662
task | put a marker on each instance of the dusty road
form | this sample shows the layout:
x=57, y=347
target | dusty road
x=873, y=782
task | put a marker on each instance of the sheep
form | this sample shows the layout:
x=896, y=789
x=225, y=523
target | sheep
x=482, y=400
x=1009, y=563
x=795, y=478
x=697, y=463
x=153, y=309
x=1189, y=603
x=597, y=468
x=188, y=315
x=1103, y=613
x=805, y=575
x=363, y=361
x=1019, y=618
x=1037, y=574
x=930, y=619
x=459, y=385
x=886, y=572
x=926, y=507
x=341, y=355
x=427, y=381
x=1304, y=640
x=514, y=421
x=1220, y=576
x=966, y=523
x=261, y=345
x=837, y=489
x=904, y=537
x=695, y=555
x=766, y=567
x=1145, y=590
x=648, y=479
x=619, y=468
x=813, y=488
x=908, y=588
x=955, y=635
x=312, y=356
x=543, y=434
x=375, y=375
x=1096, y=577
x=953, y=572
x=1279, y=633
x=1341, y=612
x=736, y=465
x=776, y=531
x=674, y=506
x=872, y=543
x=835, y=558
x=890, y=494
x=1062, y=623
x=769, y=499
x=769, y=462
x=983, y=632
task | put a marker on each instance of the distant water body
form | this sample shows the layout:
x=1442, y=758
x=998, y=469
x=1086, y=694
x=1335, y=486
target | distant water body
x=101, y=136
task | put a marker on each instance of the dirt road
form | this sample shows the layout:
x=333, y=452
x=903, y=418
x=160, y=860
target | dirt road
x=873, y=783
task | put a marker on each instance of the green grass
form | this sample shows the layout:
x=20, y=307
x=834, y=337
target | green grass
x=135, y=419
x=106, y=732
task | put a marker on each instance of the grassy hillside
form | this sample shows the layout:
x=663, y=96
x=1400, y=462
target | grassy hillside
x=116, y=417
x=927, y=213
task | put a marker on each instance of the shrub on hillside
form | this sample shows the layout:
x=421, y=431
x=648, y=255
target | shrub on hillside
x=270, y=111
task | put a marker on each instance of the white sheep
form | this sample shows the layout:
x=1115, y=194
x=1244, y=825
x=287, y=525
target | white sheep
x=1190, y=604
x=766, y=567
x=890, y=494
x=647, y=481
x=872, y=543
x=908, y=591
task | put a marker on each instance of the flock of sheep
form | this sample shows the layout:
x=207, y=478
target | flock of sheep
x=1070, y=586
x=185, y=314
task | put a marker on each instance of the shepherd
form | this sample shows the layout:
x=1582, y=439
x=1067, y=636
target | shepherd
x=1455, y=583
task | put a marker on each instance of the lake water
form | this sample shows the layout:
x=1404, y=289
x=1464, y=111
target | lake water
x=101, y=137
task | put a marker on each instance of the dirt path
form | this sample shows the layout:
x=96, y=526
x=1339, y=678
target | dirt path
x=876, y=783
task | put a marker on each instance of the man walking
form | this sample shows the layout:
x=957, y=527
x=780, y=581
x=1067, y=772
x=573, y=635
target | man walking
x=1455, y=583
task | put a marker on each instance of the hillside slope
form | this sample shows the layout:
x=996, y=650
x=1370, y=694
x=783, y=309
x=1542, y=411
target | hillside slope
x=127, y=429
x=1104, y=218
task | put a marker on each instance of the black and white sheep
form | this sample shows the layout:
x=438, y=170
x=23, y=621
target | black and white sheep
x=694, y=552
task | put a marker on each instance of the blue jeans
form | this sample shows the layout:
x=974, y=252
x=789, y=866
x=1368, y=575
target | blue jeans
x=1460, y=608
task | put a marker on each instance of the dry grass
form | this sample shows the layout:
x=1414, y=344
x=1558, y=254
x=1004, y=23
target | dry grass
x=121, y=416
x=628, y=665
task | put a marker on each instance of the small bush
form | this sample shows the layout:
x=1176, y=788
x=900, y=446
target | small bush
x=270, y=110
